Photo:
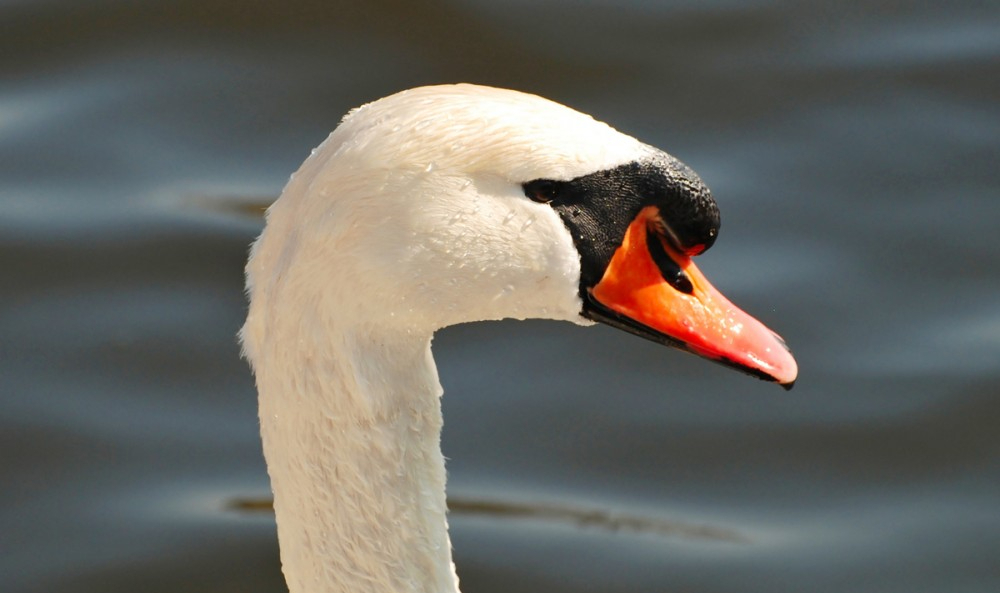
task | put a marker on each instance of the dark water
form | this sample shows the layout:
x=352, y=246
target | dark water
x=853, y=148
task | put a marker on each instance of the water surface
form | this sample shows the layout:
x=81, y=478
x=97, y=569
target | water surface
x=853, y=151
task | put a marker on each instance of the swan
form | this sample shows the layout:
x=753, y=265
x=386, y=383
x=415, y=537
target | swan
x=435, y=206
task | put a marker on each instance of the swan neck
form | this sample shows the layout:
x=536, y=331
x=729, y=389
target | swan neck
x=352, y=443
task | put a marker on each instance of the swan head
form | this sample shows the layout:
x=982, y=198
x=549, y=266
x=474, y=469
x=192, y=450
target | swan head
x=448, y=204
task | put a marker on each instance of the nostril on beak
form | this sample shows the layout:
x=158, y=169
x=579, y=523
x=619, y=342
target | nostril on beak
x=669, y=269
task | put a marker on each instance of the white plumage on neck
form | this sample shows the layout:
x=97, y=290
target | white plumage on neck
x=352, y=446
x=408, y=218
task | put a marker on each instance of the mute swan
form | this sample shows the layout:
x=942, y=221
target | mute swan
x=431, y=207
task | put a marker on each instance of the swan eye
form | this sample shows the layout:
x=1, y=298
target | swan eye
x=542, y=191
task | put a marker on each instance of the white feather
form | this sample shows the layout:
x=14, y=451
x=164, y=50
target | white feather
x=408, y=218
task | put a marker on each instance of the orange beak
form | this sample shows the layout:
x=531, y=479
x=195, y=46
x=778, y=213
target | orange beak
x=651, y=289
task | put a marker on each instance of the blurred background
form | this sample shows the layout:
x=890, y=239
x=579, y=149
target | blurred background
x=853, y=149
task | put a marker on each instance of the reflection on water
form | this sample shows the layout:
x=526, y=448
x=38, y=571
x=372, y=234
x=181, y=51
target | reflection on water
x=243, y=206
x=852, y=151
x=613, y=521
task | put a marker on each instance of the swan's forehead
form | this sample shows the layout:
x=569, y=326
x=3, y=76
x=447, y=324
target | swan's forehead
x=515, y=135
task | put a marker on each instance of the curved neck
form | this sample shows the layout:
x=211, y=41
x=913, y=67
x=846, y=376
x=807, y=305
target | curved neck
x=351, y=434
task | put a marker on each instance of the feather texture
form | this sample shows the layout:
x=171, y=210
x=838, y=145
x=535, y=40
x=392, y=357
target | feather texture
x=408, y=218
